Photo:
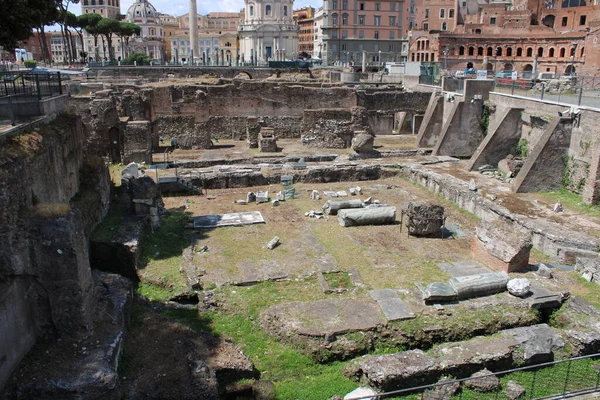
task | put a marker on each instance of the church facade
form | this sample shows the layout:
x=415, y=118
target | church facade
x=268, y=32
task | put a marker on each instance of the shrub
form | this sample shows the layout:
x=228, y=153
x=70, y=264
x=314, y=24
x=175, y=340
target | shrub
x=31, y=64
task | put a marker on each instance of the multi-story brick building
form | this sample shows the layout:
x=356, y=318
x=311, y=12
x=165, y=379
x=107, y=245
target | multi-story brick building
x=351, y=27
x=33, y=45
x=530, y=36
x=306, y=25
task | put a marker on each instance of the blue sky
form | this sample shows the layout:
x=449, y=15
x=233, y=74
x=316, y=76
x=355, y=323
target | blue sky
x=179, y=7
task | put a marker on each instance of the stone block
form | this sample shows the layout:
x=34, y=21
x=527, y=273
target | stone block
x=267, y=142
x=425, y=220
x=502, y=245
x=362, y=142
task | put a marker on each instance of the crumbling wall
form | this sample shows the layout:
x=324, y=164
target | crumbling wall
x=327, y=128
x=51, y=196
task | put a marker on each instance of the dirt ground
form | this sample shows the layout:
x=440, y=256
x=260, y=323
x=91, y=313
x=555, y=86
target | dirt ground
x=384, y=255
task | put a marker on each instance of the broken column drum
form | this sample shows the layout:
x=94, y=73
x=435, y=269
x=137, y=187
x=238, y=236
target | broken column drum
x=332, y=207
x=423, y=219
x=367, y=216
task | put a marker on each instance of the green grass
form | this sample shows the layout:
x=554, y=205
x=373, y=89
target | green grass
x=111, y=224
x=154, y=292
x=162, y=251
x=589, y=291
x=572, y=201
x=294, y=374
x=338, y=280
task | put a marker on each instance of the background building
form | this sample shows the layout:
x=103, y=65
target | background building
x=150, y=41
x=306, y=31
x=268, y=32
x=353, y=26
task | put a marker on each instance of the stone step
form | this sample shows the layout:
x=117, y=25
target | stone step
x=393, y=308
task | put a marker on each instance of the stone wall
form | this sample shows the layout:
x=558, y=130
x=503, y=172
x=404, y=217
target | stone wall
x=51, y=196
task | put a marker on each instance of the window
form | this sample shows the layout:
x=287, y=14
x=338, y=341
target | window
x=493, y=21
x=392, y=6
x=509, y=52
x=344, y=47
x=376, y=35
x=442, y=13
x=392, y=21
x=564, y=22
x=344, y=19
x=361, y=6
x=377, y=6
x=562, y=52
x=334, y=4
x=582, y=52
x=377, y=20
x=268, y=10
x=461, y=51
x=344, y=4
x=425, y=26
x=334, y=34
x=251, y=11
x=519, y=52
x=582, y=20
x=392, y=35
x=471, y=51
x=464, y=3
x=427, y=13
x=451, y=13
x=480, y=51
x=361, y=19
x=529, y=52
x=551, y=52
x=540, y=52
x=344, y=34
x=444, y=26
x=489, y=51
x=334, y=19
x=499, y=51
x=285, y=11
x=361, y=34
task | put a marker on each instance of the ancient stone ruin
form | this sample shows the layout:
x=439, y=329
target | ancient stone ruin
x=203, y=236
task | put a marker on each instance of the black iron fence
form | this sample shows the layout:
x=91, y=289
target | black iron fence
x=551, y=380
x=29, y=83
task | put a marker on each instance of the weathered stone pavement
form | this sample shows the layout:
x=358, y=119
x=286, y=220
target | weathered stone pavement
x=392, y=307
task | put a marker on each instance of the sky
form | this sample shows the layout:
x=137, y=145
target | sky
x=180, y=7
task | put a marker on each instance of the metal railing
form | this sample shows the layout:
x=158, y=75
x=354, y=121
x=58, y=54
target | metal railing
x=578, y=90
x=550, y=380
x=27, y=83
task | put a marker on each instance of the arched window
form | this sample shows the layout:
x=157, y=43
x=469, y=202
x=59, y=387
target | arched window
x=480, y=51
x=268, y=9
x=477, y=31
x=334, y=19
x=344, y=19
x=562, y=52
x=509, y=52
x=540, y=52
x=251, y=10
x=499, y=51
x=551, y=52
x=490, y=51
x=529, y=52
x=461, y=51
x=519, y=52
x=582, y=52
x=471, y=50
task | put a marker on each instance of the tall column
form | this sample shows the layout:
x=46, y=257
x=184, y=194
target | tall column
x=194, y=28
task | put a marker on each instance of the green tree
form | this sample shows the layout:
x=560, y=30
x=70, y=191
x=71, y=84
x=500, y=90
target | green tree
x=139, y=58
x=20, y=17
x=89, y=22
x=107, y=28
x=126, y=31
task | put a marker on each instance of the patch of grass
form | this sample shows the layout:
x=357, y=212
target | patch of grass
x=537, y=256
x=53, y=210
x=162, y=250
x=110, y=225
x=589, y=291
x=294, y=374
x=338, y=280
x=153, y=292
x=572, y=201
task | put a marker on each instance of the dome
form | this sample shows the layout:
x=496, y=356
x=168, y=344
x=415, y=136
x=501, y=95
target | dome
x=142, y=10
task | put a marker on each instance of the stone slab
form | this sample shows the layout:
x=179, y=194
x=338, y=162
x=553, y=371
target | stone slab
x=463, y=268
x=232, y=219
x=393, y=308
x=543, y=298
x=323, y=317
